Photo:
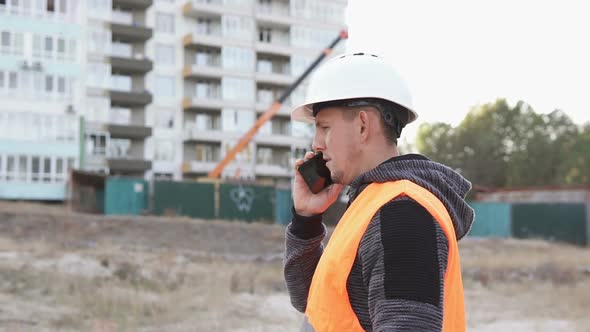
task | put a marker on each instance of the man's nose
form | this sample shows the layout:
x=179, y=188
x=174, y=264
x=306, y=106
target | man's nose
x=316, y=144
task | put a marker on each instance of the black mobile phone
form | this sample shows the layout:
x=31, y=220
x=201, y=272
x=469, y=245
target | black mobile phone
x=315, y=173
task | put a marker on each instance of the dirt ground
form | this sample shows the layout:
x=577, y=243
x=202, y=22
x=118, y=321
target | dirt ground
x=63, y=271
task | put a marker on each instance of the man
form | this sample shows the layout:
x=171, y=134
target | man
x=392, y=263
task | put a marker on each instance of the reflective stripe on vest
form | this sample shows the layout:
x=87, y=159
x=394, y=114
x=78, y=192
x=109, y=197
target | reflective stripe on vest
x=328, y=306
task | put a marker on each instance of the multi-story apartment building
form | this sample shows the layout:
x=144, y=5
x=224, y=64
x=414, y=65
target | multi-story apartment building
x=239, y=56
x=164, y=88
x=116, y=89
x=40, y=75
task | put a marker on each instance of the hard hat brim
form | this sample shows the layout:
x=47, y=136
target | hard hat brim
x=304, y=113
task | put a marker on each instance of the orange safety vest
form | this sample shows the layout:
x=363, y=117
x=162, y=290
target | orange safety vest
x=328, y=304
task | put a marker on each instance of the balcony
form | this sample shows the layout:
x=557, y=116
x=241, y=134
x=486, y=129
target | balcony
x=281, y=47
x=130, y=32
x=132, y=4
x=130, y=131
x=196, y=8
x=130, y=98
x=213, y=71
x=128, y=165
x=280, y=140
x=216, y=39
x=272, y=170
x=129, y=65
x=192, y=134
x=198, y=166
x=274, y=14
x=263, y=106
x=274, y=78
x=211, y=103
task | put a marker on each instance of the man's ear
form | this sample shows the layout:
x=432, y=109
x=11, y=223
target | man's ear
x=364, y=122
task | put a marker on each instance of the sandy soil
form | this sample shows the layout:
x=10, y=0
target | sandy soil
x=63, y=271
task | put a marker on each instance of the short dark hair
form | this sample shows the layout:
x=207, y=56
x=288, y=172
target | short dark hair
x=393, y=117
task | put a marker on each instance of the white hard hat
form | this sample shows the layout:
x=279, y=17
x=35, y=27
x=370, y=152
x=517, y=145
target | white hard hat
x=355, y=75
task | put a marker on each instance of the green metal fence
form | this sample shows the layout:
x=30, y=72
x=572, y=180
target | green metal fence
x=283, y=204
x=556, y=222
x=246, y=202
x=559, y=222
x=190, y=199
x=491, y=220
x=125, y=196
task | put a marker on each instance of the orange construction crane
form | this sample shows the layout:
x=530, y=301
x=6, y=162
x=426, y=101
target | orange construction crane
x=274, y=108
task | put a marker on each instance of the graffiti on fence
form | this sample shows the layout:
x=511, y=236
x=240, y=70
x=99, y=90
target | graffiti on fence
x=243, y=197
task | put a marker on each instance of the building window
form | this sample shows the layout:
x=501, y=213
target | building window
x=238, y=27
x=121, y=83
x=237, y=120
x=96, y=144
x=120, y=115
x=264, y=156
x=37, y=46
x=99, y=75
x=205, y=26
x=10, y=167
x=99, y=41
x=61, y=85
x=205, y=121
x=165, y=54
x=18, y=43
x=60, y=171
x=237, y=89
x=205, y=57
x=11, y=42
x=207, y=89
x=48, y=47
x=264, y=35
x=237, y=58
x=119, y=148
x=280, y=126
x=35, y=168
x=61, y=48
x=100, y=8
x=207, y=153
x=48, y=84
x=164, y=118
x=165, y=23
x=72, y=50
x=122, y=49
x=21, y=175
x=5, y=45
x=264, y=65
x=12, y=80
x=164, y=150
x=51, y=6
x=62, y=7
x=46, y=169
x=164, y=86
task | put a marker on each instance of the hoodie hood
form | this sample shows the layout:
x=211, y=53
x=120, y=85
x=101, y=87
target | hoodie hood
x=447, y=185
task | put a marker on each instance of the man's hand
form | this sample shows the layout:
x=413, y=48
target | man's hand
x=304, y=201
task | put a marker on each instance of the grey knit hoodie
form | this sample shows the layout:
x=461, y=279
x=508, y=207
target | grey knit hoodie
x=397, y=280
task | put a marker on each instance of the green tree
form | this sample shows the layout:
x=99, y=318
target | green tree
x=502, y=146
x=576, y=167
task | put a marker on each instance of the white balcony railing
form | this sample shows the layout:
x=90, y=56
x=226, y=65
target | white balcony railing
x=273, y=9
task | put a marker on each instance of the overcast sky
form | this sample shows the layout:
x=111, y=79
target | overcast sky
x=457, y=53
